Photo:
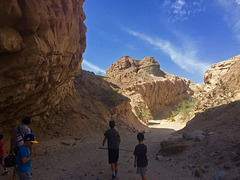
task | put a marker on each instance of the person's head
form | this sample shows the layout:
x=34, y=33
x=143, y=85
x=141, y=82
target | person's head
x=140, y=136
x=1, y=136
x=30, y=139
x=26, y=120
x=111, y=124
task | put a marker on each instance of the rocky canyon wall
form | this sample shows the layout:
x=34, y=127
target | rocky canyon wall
x=222, y=84
x=41, y=47
x=225, y=74
x=148, y=87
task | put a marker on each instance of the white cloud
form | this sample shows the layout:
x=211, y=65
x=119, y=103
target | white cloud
x=181, y=9
x=178, y=6
x=187, y=60
x=90, y=67
x=232, y=14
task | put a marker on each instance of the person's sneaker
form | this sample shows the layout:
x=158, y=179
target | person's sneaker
x=5, y=173
x=114, y=178
x=116, y=171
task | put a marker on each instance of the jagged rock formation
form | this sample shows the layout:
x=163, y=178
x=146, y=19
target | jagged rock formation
x=225, y=73
x=222, y=84
x=41, y=47
x=148, y=87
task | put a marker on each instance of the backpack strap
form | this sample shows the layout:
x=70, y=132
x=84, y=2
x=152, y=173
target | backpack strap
x=19, y=131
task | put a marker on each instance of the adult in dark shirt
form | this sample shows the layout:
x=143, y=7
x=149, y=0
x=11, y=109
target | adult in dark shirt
x=113, y=140
x=140, y=160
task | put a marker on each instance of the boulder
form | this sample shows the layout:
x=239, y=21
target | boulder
x=170, y=150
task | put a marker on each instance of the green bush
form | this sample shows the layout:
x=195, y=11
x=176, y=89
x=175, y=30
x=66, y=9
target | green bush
x=145, y=114
x=185, y=107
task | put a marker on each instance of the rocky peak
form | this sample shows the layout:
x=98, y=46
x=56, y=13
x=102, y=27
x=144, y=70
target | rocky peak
x=150, y=89
x=126, y=65
x=150, y=65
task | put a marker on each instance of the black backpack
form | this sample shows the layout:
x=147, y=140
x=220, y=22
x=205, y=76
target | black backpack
x=10, y=160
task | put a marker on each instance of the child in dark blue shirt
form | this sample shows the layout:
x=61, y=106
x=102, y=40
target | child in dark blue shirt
x=140, y=160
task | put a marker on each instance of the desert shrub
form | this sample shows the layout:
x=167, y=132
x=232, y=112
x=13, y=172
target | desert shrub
x=145, y=115
x=185, y=107
x=171, y=119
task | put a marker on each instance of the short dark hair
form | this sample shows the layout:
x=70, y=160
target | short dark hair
x=1, y=136
x=140, y=136
x=111, y=124
x=26, y=120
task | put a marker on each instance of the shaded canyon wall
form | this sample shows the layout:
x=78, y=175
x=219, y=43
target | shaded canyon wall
x=41, y=47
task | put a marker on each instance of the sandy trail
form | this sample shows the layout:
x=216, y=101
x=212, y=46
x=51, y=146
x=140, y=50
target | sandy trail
x=77, y=159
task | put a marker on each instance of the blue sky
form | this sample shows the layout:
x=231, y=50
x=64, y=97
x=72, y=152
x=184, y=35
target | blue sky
x=184, y=36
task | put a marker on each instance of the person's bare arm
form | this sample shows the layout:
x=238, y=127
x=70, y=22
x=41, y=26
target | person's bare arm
x=119, y=140
x=25, y=159
x=104, y=140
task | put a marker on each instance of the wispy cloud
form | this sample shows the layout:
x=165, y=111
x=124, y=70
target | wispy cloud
x=232, y=14
x=181, y=9
x=90, y=67
x=187, y=60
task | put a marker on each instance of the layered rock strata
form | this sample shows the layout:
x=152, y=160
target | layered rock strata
x=41, y=47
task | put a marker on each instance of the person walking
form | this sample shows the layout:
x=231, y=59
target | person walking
x=24, y=157
x=17, y=139
x=2, y=154
x=140, y=160
x=113, y=140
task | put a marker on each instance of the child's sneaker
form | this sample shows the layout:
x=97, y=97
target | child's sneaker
x=5, y=173
x=113, y=177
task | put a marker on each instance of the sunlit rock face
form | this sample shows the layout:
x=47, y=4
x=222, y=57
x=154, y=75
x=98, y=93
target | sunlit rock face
x=225, y=73
x=148, y=87
x=222, y=84
x=223, y=80
x=41, y=47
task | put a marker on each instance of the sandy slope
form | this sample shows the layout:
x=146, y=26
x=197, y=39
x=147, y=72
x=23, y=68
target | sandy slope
x=81, y=159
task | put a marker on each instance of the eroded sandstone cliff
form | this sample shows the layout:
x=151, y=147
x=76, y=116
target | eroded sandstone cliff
x=41, y=47
x=149, y=88
x=222, y=84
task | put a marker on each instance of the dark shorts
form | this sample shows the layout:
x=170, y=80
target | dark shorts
x=141, y=170
x=113, y=155
x=1, y=160
x=25, y=176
